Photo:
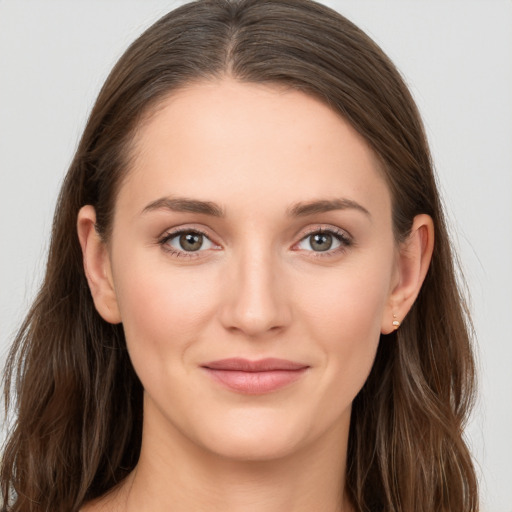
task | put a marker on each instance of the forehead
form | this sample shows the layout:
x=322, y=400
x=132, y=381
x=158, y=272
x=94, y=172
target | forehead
x=250, y=144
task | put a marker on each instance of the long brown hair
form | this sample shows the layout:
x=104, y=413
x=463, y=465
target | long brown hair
x=78, y=401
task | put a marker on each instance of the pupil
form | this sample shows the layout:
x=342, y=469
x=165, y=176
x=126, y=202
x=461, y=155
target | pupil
x=191, y=241
x=321, y=242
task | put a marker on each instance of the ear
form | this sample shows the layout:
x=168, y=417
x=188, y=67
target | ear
x=413, y=261
x=97, y=266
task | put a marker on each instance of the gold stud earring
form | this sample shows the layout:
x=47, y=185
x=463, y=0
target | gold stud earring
x=396, y=323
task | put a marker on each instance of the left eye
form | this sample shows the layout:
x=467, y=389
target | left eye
x=320, y=242
x=188, y=241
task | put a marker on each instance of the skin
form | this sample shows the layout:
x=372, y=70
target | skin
x=256, y=288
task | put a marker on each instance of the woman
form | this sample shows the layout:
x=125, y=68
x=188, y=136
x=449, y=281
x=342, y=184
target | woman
x=244, y=307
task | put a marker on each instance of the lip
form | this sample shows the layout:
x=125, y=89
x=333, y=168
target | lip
x=255, y=377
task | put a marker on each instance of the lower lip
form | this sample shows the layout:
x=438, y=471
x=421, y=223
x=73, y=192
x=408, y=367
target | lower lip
x=256, y=383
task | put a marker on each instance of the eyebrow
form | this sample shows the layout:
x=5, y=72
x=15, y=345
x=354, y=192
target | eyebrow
x=312, y=207
x=301, y=209
x=183, y=204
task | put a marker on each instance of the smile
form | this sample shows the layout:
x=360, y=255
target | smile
x=255, y=377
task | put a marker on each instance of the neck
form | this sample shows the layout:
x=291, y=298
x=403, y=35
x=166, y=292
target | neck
x=174, y=474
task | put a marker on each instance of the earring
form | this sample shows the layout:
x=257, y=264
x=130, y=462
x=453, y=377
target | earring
x=396, y=323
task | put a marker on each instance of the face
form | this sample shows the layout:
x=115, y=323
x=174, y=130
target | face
x=253, y=261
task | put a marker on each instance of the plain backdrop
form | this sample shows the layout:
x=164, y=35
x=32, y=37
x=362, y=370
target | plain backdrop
x=456, y=55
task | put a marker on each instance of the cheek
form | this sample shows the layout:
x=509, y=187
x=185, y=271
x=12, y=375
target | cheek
x=348, y=301
x=162, y=309
x=344, y=314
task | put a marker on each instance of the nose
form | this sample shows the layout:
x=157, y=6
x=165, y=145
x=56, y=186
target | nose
x=255, y=300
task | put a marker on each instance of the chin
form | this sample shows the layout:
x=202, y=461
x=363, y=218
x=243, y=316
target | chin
x=250, y=436
x=254, y=449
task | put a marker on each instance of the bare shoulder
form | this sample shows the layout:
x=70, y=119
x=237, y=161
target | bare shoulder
x=99, y=505
x=113, y=501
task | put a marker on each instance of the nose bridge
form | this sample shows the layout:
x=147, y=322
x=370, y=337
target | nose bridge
x=256, y=303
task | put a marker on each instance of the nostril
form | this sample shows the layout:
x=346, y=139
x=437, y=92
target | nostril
x=255, y=302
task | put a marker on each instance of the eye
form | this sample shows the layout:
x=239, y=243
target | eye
x=324, y=241
x=186, y=242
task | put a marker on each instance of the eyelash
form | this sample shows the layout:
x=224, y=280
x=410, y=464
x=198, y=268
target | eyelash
x=341, y=236
x=164, y=242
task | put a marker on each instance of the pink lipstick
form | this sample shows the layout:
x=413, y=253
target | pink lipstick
x=255, y=377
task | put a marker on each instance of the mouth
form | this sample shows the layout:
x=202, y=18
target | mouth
x=255, y=377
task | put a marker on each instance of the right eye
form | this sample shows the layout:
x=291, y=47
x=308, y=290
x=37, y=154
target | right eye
x=186, y=241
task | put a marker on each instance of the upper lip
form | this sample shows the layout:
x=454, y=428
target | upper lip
x=261, y=365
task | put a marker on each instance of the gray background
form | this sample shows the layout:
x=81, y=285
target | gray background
x=456, y=56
